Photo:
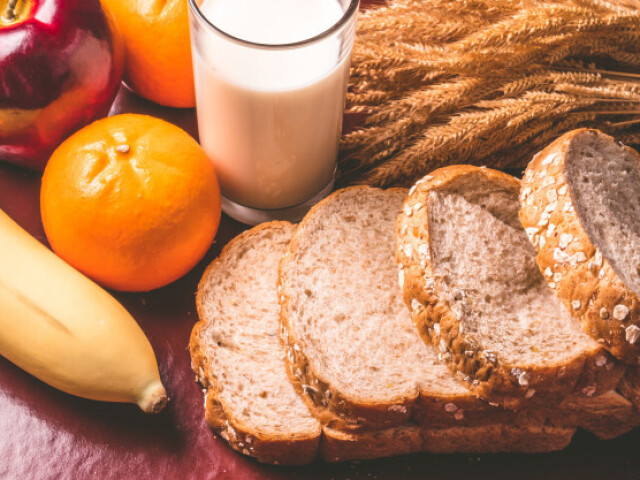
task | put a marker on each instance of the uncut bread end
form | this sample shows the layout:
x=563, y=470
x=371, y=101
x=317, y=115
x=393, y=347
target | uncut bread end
x=339, y=446
x=580, y=205
x=237, y=356
x=630, y=386
x=606, y=416
x=470, y=280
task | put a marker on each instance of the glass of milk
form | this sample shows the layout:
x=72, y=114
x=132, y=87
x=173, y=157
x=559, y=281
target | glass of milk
x=271, y=78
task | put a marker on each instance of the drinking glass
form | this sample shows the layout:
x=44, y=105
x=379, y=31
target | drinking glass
x=270, y=115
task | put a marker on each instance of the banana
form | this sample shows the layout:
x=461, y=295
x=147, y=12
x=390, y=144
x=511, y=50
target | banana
x=67, y=331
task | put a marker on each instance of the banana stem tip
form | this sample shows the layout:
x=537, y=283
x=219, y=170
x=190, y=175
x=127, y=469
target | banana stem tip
x=154, y=398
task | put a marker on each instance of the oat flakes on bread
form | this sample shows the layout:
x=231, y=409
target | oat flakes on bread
x=580, y=205
x=471, y=282
x=351, y=339
x=228, y=288
x=249, y=400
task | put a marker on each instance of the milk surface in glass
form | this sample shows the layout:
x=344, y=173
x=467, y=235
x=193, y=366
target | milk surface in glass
x=271, y=120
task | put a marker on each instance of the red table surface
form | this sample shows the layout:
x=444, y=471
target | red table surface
x=47, y=434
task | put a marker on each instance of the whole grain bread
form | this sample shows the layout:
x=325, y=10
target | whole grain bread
x=353, y=350
x=606, y=416
x=251, y=404
x=239, y=361
x=237, y=356
x=470, y=280
x=580, y=205
x=630, y=386
x=350, y=344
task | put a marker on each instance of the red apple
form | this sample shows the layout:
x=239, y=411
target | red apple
x=61, y=64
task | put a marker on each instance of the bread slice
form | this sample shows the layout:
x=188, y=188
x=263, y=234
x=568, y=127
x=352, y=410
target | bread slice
x=251, y=404
x=353, y=350
x=472, y=284
x=352, y=346
x=237, y=356
x=580, y=204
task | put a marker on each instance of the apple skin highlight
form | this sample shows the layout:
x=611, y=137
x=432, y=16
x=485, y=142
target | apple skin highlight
x=61, y=64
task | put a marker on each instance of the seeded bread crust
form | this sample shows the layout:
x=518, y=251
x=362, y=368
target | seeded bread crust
x=494, y=429
x=425, y=405
x=483, y=372
x=579, y=274
x=267, y=447
x=264, y=447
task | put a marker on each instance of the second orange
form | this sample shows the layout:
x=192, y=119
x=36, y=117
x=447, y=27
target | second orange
x=158, y=50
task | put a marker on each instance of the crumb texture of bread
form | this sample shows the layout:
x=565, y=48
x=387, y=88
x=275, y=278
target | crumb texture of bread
x=580, y=205
x=604, y=179
x=472, y=283
x=352, y=344
x=246, y=369
x=238, y=357
x=490, y=277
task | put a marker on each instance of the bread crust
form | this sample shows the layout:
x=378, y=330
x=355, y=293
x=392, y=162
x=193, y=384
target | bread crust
x=484, y=373
x=499, y=439
x=340, y=412
x=340, y=446
x=264, y=446
x=483, y=428
x=588, y=286
x=630, y=387
x=337, y=446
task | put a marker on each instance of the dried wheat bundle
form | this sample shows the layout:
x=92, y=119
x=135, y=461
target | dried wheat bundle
x=486, y=82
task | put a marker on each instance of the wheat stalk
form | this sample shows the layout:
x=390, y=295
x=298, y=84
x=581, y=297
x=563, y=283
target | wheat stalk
x=486, y=82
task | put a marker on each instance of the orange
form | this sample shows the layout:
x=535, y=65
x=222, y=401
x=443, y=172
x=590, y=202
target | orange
x=131, y=201
x=158, y=52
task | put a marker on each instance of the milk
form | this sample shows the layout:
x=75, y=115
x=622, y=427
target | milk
x=270, y=118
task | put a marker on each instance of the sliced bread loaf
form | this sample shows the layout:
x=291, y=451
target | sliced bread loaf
x=239, y=360
x=250, y=402
x=237, y=356
x=352, y=345
x=353, y=350
x=580, y=205
x=472, y=284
